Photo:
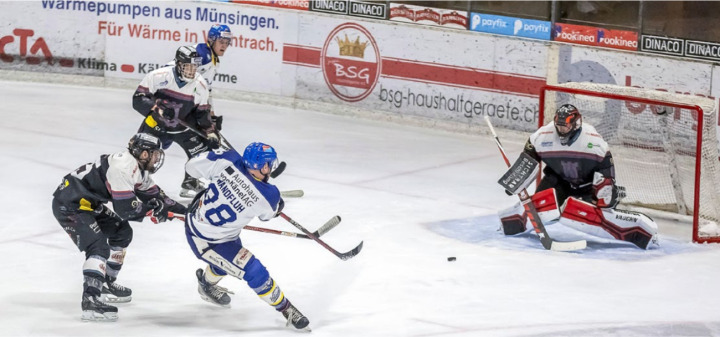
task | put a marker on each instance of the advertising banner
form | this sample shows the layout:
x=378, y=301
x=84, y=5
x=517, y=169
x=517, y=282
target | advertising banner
x=130, y=39
x=663, y=45
x=302, y=5
x=593, y=36
x=351, y=7
x=429, y=16
x=462, y=79
x=681, y=47
x=505, y=25
x=703, y=50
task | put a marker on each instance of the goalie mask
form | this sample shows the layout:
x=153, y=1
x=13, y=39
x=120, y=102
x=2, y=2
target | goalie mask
x=148, y=151
x=187, y=61
x=568, y=123
x=257, y=155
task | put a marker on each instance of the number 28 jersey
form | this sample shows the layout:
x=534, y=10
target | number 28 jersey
x=233, y=197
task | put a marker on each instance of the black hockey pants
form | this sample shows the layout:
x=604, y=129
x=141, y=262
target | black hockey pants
x=93, y=232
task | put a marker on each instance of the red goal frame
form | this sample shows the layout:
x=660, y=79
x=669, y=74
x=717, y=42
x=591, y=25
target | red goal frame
x=698, y=145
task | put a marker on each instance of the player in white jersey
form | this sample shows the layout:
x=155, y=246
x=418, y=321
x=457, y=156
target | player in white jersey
x=169, y=97
x=79, y=202
x=579, y=174
x=218, y=40
x=238, y=192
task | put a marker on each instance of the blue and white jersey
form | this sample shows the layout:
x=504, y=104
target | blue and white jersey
x=233, y=197
x=209, y=64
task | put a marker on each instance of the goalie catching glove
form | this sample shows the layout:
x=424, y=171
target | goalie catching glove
x=605, y=193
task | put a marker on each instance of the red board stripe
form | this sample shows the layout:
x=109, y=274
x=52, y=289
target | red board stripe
x=301, y=55
x=441, y=74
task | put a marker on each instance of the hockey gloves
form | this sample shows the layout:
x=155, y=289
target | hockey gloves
x=172, y=205
x=281, y=205
x=213, y=142
x=165, y=113
x=159, y=210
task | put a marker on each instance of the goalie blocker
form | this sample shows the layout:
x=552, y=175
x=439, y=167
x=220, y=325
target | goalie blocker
x=608, y=223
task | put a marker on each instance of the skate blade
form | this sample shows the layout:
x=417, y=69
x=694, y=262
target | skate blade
x=293, y=328
x=209, y=300
x=92, y=316
x=114, y=299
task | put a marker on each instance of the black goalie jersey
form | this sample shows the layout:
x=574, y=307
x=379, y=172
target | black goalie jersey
x=575, y=163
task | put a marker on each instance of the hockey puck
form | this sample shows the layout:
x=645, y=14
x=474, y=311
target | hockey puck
x=451, y=258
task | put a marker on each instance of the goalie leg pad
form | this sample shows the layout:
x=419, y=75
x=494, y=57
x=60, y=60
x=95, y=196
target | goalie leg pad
x=545, y=203
x=514, y=220
x=632, y=227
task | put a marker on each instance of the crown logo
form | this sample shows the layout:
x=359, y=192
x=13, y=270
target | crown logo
x=348, y=48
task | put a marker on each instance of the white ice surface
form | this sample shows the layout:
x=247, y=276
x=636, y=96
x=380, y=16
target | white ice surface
x=414, y=196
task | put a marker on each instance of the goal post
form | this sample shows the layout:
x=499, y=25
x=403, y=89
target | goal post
x=664, y=146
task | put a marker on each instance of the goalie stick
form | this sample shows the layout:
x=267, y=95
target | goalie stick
x=531, y=212
x=330, y=224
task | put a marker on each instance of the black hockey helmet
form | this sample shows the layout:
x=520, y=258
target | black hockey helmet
x=568, y=122
x=141, y=142
x=187, y=60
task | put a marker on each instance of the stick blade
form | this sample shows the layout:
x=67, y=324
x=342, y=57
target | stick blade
x=279, y=170
x=561, y=246
x=349, y=255
x=292, y=194
x=330, y=224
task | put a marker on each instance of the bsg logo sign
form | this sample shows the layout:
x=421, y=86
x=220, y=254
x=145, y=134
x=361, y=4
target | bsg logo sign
x=17, y=44
x=350, y=62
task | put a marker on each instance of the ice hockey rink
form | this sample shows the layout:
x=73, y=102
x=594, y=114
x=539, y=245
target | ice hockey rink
x=415, y=196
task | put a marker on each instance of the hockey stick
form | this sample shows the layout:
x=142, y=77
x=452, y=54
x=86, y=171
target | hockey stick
x=292, y=194
x=343, y=256
x=531, y=212
x=330, y=224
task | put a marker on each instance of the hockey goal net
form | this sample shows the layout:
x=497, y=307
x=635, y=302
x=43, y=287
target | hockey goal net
x=665, y=146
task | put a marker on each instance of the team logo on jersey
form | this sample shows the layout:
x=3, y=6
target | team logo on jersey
x=591, y=145
x=350, y=62
x=546, y=144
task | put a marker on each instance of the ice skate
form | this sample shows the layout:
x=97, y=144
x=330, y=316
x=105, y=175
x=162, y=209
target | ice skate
x=212, y=293
x=191, y=187
x=295, y=318
x=115, y=293
x=93, y=309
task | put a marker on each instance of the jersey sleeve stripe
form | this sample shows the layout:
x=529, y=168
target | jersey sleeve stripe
x=122, y=194
x=176, y=95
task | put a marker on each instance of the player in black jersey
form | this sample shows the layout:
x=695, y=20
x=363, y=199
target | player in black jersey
x=122, y=178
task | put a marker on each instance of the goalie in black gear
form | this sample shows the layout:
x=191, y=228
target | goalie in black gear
x=103, y=234
x=172, y=99
x=579, y=174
